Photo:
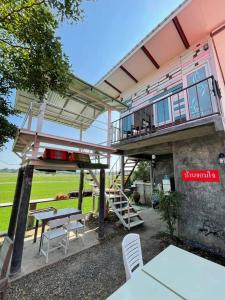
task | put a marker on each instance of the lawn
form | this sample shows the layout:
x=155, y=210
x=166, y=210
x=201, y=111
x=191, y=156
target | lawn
x=44, y=186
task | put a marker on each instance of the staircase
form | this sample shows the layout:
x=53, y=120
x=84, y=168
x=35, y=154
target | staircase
x=118, y=201
x=122, y=207
x=116, y=172
x=93, y=182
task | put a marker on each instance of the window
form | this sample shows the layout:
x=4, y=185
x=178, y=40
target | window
x=127, y=123
x=162, y=112
x=199, y=98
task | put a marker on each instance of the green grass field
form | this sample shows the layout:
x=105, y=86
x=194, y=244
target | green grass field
x=44, y=186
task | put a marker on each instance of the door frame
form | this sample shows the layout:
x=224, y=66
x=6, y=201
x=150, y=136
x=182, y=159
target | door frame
x=207, y=67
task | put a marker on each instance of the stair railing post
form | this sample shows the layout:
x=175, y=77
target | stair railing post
x=122, y=172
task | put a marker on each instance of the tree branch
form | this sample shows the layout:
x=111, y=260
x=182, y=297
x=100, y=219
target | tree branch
x=21, y=9
x=13, y=45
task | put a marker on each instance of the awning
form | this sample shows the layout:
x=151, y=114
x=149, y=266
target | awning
x=188, y=24
x=81, y=106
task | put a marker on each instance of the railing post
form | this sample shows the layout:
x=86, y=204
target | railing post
x=122, y=172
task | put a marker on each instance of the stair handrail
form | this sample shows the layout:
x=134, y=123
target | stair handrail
x=114, y=166
x=125, y=196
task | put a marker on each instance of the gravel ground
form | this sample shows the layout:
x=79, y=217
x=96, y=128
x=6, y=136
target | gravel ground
x=97, y=272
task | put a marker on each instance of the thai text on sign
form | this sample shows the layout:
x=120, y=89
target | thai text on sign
x=201, y=175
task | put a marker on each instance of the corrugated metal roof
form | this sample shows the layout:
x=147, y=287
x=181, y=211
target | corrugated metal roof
x=81, y=105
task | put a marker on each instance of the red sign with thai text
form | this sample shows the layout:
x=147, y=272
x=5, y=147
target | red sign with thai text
x=201, y=175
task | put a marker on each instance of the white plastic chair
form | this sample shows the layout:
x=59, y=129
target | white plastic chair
x=132, y=254
x=74, y=225
x=55, y=232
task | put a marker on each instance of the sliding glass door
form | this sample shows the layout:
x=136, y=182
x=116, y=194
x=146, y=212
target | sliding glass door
x=198, y=96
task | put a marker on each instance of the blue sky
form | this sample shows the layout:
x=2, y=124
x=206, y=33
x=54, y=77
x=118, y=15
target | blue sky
x=110, y=29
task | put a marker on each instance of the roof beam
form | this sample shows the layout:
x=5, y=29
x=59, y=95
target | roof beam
x=112, y=86
x=129, y=74
x=181, y=32
x=150, y=57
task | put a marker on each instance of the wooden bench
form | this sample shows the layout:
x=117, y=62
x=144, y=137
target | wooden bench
x=5, y=256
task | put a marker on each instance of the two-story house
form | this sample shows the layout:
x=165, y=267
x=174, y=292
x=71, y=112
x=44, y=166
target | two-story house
x=174, y=84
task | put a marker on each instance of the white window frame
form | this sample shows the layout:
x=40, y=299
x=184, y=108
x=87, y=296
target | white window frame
x=206, y=65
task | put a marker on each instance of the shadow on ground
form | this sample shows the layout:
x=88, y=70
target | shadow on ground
x=95, y=273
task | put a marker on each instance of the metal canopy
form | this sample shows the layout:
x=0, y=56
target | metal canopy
x=80, y=107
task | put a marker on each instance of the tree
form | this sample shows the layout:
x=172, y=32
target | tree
x=142, y=172
x=31, y=56
x=7, y=129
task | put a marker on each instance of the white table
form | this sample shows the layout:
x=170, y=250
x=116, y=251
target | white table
x=175, y=274
x=189, y=275
x=143, y=287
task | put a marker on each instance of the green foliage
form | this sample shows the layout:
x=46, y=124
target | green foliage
x=168, y=208
x=7, y=129
x=142, y=172
x=31, y=56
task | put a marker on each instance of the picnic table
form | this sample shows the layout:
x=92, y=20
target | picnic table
x=175, y=274
x=46, y=216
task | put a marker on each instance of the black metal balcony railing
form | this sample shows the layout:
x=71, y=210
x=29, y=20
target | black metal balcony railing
x=193, y=102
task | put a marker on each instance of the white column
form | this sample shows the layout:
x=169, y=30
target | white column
x=109, y=133
x=40, y=120
x=29, y=123
x=41, y=115
x=81, y=136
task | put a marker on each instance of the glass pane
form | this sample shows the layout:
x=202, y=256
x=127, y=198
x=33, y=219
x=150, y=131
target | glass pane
x=127, y=123
x=162, y=111
x=199, y=96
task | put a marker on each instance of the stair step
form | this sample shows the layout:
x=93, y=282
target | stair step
x=89, y=179
x=131, y=215
x=115, y=196
x=120, y=202
x=124, y=208
x=136, y=223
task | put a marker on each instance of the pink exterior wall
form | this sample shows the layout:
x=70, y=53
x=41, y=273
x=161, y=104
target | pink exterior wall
x=172, y=74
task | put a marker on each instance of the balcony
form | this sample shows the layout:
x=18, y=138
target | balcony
x=195, y=102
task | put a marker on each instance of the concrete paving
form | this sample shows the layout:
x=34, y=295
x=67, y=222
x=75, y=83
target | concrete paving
x=33, y=260
x=94, y=273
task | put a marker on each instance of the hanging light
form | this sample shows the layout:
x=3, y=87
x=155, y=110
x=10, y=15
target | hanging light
x=153, y=160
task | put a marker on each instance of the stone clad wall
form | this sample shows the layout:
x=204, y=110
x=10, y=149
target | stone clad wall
x=164, y=166
x=202, y=211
